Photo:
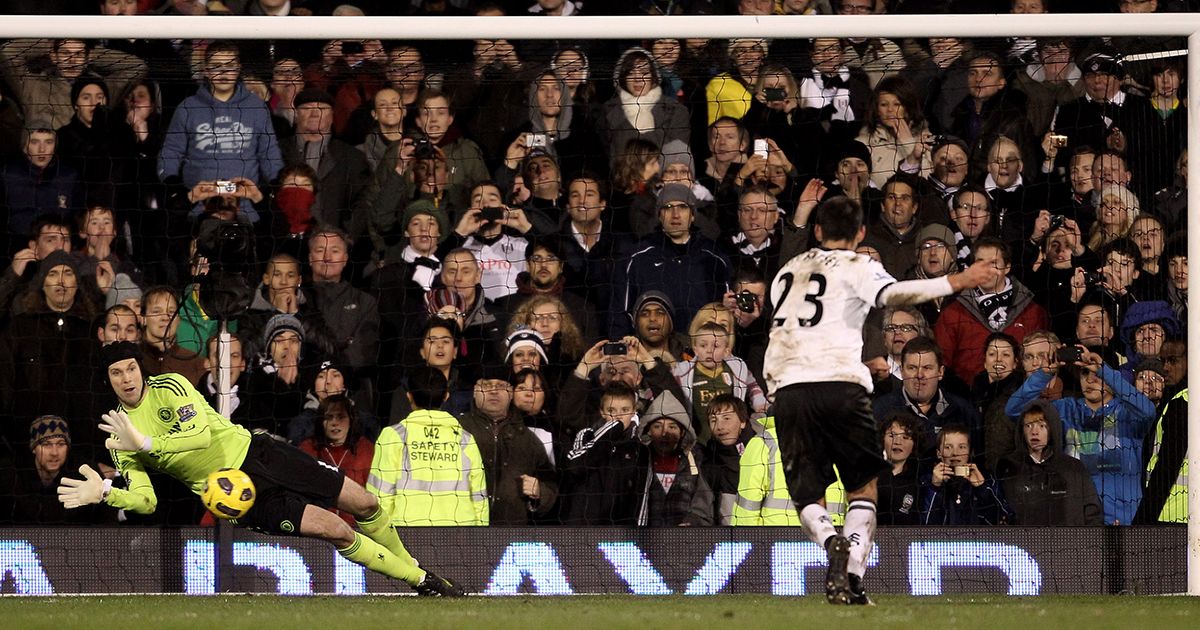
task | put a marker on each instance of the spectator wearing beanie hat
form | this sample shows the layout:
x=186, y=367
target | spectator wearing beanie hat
x=850, y=175
x=687, y=267
x=124, y=291
x=525, y=349
x=342, y=170
x=87, y=142
x=414, y=256
x=276, y=389
x=46, y=348
x=30, y=493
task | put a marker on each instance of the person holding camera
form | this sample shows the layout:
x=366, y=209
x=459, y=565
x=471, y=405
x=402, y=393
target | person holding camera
x=1106, y=426
x=192, y=152
x=957, y=491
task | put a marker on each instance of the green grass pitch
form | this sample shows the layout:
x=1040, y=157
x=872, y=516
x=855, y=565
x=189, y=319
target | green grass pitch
x=741, y=612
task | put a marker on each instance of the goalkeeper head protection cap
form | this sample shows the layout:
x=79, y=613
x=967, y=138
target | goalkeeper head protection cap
x=120, y=351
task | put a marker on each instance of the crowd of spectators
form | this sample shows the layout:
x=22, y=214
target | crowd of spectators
x=528, y=282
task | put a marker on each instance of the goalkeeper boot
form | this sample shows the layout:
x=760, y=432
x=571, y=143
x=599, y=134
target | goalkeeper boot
x=837, y=582
x=434, y=586
x=858, y=595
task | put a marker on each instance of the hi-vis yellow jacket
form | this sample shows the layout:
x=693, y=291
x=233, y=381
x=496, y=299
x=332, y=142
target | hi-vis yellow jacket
x=1175, y=508
x=427, y=470
x=763, y=497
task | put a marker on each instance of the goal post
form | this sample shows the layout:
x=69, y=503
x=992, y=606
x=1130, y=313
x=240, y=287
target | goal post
x=627, y=28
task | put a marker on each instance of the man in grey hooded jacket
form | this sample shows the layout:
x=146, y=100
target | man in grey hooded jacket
x=674, y=492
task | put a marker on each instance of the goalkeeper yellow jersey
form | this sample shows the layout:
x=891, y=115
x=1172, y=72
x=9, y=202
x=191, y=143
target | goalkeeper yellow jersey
x=188, y=438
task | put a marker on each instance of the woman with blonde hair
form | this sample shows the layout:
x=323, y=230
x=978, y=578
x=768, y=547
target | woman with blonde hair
x=1115, y=214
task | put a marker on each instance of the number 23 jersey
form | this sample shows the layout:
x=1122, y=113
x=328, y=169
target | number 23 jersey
x=821, y=298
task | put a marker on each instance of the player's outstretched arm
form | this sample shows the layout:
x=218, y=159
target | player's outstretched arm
x=917, y=291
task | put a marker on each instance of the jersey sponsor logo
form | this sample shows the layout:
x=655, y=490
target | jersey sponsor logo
x=164, y=414
x=187, y=412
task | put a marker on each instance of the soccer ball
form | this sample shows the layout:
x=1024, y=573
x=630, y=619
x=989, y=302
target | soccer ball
x=228, y=493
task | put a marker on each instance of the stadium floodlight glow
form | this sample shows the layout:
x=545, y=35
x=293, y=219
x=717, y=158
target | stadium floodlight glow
x=626, y=28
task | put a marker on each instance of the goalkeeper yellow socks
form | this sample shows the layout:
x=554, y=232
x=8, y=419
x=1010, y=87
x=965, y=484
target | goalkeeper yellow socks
x=377, y=558
x=378, y=527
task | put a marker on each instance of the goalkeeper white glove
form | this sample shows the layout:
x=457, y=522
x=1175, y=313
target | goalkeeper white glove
x=126, y=437
x=73, y=493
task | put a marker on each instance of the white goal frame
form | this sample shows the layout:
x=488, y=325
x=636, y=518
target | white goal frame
x=597, y=27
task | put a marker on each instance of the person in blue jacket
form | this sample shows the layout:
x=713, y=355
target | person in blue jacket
x=223, y=133
x=1105, y=429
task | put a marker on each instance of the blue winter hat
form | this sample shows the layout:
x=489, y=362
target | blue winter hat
x=1150, y=311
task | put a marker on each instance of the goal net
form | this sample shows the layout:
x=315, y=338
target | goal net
x=567, y=236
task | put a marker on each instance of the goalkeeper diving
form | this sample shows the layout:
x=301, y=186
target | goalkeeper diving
x=163, y=423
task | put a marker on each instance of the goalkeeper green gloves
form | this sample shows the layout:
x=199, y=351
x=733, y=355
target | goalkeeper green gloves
x=92, y=489
x=126, y=437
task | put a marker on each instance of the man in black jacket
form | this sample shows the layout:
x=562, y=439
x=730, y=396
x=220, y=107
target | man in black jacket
x=521, y=480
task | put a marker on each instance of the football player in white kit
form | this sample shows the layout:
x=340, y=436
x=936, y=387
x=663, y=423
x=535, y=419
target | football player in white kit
x=814, y=370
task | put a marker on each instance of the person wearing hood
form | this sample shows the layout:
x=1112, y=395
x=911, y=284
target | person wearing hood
x=1145, y=327
x=639, y=109
x=569, y=139
x=1105, y=428
x=47, y=350
x=687, y=267
x=521, y=481
x=221, y=134
x=731, y=431
x=1006, y=306
x=1044, y=485
x=674, y=493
